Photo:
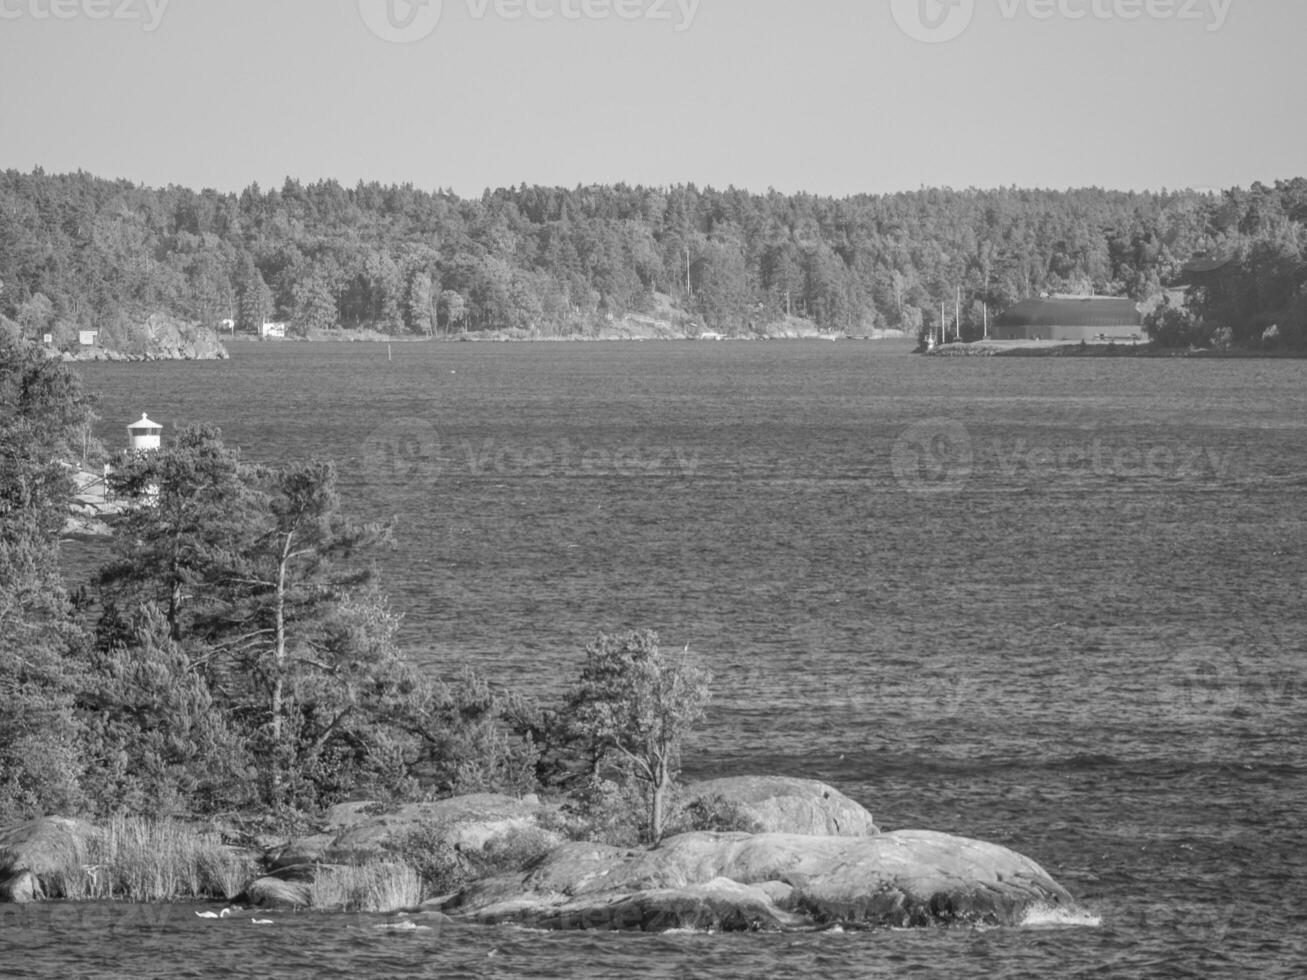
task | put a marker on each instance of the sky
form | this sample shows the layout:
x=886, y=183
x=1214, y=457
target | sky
x=831, y=97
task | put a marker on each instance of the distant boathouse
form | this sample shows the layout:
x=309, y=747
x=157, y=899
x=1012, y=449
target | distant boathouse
x=1095, y=319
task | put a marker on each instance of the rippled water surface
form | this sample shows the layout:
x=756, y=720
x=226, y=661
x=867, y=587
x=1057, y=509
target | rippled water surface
x=1057, y=604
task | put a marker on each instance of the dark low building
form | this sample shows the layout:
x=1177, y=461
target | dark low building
x=1201, y=270
x=1096, y=319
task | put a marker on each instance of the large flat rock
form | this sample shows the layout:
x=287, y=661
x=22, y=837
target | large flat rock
x=787, y=805
x=48, y=849
x=271, y=892
x=769, y=882
x=720, y=905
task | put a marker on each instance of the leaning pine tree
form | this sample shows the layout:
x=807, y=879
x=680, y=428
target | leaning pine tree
x=635, y=705
x=264, y=598
x=320, y=641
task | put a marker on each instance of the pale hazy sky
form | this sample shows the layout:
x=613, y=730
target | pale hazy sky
x=829, y=96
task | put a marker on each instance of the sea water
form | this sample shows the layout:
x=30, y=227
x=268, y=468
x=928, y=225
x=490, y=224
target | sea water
x=1052, y=603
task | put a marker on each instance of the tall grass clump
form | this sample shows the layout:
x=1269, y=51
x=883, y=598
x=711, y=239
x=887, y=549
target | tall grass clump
x=137, y=859
x=384, y=886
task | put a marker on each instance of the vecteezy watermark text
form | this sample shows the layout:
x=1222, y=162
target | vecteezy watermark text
x=1021, y=460
x=1211, y=13
x=940, y=456
x=679, y=13
x=149, y=13
x=937, y=21
x=406, y=21
x=412, y=450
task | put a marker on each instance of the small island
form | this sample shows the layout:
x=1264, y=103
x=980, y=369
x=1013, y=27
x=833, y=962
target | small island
x=224, y=715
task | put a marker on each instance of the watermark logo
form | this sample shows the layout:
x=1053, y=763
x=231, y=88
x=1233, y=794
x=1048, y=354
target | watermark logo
x=1211, y=683
x=404, y=451
x=406, y=21
x=933, y=457
x=1205, y=681
x=148, y=13
x=401, y=21
x=933, y=21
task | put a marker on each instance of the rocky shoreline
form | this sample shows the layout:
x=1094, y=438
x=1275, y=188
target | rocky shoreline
x=983, y=348
x=101, y=354
x=813, y=860
x=158, y=338
x=91, y=506
x=667, y=324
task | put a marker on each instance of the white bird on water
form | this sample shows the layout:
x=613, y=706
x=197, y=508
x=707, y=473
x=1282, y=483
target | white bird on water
x=214, y=915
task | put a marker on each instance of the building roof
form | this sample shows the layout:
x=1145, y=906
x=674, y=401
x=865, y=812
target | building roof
x=1088, y=311
x=143, y=423
x=1201, y=264
x=1198, y=269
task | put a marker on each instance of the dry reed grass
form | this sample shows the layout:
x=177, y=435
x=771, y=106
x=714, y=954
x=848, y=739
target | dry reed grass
x=385, y=886
x=137, y=859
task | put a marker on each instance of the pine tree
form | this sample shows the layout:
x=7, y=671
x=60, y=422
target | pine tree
x=315, y=306
x=262, y=591
x=195, y=516
x=253, y=298
x=43, y=420
x=298, y=570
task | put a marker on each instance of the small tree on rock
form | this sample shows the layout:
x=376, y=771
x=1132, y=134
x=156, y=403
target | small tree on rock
x=635, y=705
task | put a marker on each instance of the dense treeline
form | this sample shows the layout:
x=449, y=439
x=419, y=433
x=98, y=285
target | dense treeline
x=77, y=251
x=1250, y=290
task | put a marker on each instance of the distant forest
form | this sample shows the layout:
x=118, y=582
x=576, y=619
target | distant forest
x=80, y=252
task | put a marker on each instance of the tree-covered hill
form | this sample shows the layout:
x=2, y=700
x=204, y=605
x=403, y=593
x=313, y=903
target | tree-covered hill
x=77, y=251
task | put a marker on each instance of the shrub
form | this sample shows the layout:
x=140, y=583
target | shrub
x=445, y=867
x=476, y=739
x=440, y=866
x=712, y=813
x=605, y=811
x=513, y=852
x=165, y=745
x=1171, y=326
x=615, y=813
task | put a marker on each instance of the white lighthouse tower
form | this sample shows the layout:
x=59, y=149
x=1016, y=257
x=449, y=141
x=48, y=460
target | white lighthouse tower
x=144, y=436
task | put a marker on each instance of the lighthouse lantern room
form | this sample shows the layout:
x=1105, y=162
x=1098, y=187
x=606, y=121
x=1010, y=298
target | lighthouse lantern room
x=144, y=435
